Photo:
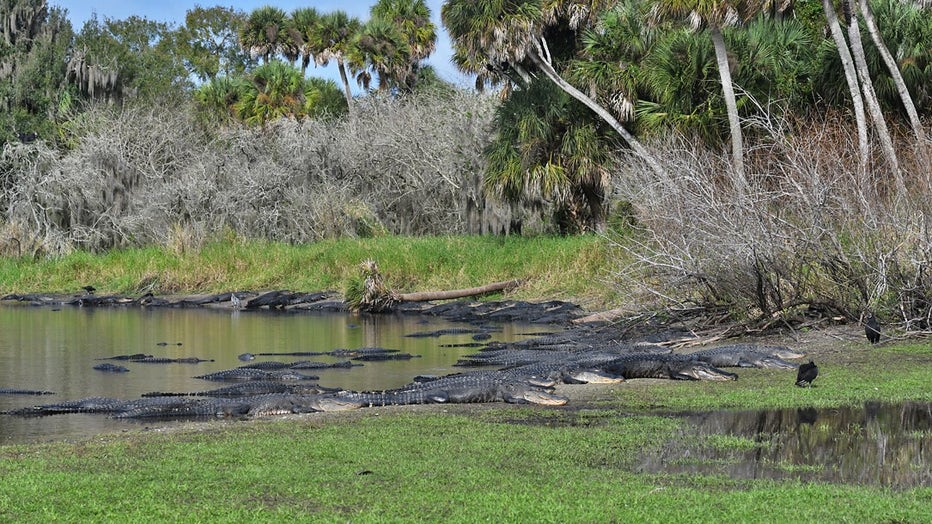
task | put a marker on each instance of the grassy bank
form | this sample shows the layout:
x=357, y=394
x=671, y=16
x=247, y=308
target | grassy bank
x=554, y=267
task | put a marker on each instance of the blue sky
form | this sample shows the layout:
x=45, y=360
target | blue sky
x=173, y=12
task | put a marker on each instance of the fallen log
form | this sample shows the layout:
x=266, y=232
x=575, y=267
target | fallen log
x=370, y=293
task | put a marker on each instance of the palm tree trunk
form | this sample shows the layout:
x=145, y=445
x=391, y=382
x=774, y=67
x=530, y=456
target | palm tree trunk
x=870, y=97
x=851, y=77
x=346, y=87
x=731, y=104
x=632, y=142
x=894, y=70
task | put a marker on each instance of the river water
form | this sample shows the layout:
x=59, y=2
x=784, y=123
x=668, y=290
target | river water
x=55, y=349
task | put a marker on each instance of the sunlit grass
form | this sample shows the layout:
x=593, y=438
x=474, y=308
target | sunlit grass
x=551, y=267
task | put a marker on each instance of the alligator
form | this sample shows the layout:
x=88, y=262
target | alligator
x=303, y=364
x=14, y=391
x=251, y=388
x=359, y=352
x=451, y=331
x=460, y=388
x=134, y=356
x=381, y=357
x=747, y=355
x=282, y=299
x=175, y=407
x=256, y=374
x=84, y=405
x=111, y=368
x=670, y=366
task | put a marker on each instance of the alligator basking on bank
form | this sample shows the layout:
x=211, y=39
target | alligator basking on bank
x=164, y=407
x=748, y=356
x=461, y=388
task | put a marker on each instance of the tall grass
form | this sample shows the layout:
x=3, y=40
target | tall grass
x=553, y=267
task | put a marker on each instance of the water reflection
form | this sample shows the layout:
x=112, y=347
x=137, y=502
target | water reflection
x=45, y=348
x=876, y=444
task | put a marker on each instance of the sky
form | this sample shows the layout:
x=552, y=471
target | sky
x=173, y=12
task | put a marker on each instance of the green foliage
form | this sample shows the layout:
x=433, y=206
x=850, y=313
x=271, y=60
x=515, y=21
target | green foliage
x=132, y=57
x=323, y=99
x=276, y=91
x=550, y=147
x=208, y=43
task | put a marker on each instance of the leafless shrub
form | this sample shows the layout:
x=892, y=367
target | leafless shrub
x=149, y=174
x=814, y=233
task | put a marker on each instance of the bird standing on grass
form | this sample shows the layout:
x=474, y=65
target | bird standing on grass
x=807, y=373
x=89, y=289
x=872, y=328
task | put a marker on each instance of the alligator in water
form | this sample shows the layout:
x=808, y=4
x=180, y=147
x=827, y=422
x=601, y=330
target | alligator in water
x=256, y=374
x=111, y=368
x=747, y=356
x=14, y=391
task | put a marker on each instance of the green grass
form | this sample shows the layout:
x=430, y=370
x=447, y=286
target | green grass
x=553, y=267
x=403, y=467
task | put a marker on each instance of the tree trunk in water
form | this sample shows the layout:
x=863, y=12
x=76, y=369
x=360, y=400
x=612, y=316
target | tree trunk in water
x=458, y=293
x=870, y=97
x=890, y=62
x=632, y=142
x=731, y=104
x=852, y=78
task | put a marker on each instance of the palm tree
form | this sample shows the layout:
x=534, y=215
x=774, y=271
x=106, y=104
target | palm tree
x=383, y=49
x=323, y=98
x=894, y=70
x=337, y=33
x=265, y=33
x=512, y=33
x=550, y=147
x=217, y=99
x=851, y=77
x=306, y=25
x=870, y=96
x=716, y=15
x=412, y=20
x=276, y=91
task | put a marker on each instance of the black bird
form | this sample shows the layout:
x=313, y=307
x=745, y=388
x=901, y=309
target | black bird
x=872, y=328
x=807, y=373
x=89, y=289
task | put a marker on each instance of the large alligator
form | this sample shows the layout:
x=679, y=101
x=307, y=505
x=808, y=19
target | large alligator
x=748, y=355
x=461, y=388
x=186, y=407
x=669, y=366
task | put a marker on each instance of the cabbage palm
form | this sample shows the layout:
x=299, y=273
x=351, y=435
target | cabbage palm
x=412, y=20
x=893, y=69
x=306, y=27
x=382, y=48
x=265, y=33
x=276, y=90
x=337, y=33
x=512, y=32
x=716, y=15
x=549, y=147
x=217, y=99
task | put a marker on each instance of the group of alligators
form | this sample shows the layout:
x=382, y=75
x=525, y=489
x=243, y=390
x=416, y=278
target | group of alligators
x=526, y=371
